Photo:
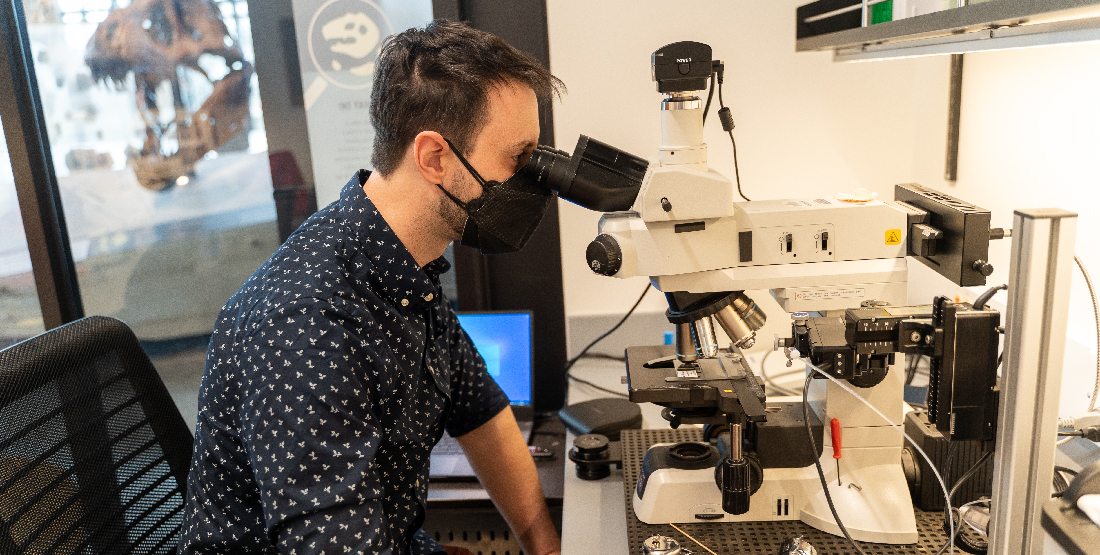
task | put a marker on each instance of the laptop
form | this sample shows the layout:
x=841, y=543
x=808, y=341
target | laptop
x=503, y=338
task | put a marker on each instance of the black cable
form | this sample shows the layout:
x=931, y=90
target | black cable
x=951, y=495
x=727, y=124
x=610, y=331
x=945, y=470
x=736, y=171
x=911, y=372
x=710, y=95
x=599, y=387
x=979, y=303
x=973, y=470
x=605, y=356
x=817, y=462
x=960, y=540
x=1065, y=470
x=584, y=351
x=1060, y=483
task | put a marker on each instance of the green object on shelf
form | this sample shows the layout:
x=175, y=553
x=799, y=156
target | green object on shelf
x=882, y=12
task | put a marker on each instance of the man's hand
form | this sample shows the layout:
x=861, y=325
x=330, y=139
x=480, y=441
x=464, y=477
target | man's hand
x=500, y=458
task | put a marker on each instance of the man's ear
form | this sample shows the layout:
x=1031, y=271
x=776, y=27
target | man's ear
x=429, y=154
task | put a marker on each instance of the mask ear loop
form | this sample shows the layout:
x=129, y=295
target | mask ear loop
x=473, y=172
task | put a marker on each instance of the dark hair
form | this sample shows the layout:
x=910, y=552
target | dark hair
x=438, y=78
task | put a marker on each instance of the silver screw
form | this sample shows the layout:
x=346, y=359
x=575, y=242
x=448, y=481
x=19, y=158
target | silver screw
x=915, y=337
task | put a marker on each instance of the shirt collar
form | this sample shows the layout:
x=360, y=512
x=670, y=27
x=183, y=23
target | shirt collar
x=393, y=271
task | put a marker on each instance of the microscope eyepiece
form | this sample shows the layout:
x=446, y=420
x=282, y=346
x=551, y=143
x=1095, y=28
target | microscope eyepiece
x=597, y=176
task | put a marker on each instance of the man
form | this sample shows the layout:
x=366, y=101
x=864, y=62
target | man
x=335, y=369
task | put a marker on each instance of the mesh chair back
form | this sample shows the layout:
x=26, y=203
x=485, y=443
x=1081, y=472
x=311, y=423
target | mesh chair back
x=93, y=452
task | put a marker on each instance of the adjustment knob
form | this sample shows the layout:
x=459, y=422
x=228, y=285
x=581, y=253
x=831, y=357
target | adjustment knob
x=982, y=267
x=604, y=255
x=735, y=485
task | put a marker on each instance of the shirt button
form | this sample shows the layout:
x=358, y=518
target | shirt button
x=429, y=297
x=404, y=302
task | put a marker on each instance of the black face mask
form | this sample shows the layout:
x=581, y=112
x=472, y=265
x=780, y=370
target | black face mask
x=506, y=214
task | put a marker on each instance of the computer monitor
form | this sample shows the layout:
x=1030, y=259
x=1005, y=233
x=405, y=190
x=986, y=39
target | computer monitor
x=504, y=340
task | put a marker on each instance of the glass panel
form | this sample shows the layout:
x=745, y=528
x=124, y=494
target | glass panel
x=20, y=313
x=158, y=143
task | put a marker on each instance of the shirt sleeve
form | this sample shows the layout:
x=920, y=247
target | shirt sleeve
x=311, y=434
x=475, y=396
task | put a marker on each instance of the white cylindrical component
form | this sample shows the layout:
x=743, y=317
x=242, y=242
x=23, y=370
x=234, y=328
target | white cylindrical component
x=706, y=343
x=682, y=134
x=694, y=158
x=681, y=124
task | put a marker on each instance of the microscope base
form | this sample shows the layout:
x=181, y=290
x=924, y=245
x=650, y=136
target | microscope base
x=873, y=502
x=691, y=496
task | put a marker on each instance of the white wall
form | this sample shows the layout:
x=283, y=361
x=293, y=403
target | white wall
x=1030, y=121
x=809, y=126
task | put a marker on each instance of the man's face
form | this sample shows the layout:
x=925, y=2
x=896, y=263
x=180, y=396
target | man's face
x=501, y=148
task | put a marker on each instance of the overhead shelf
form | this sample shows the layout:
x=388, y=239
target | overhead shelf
x=992, y=25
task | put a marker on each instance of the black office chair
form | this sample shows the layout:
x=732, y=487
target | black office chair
x=93, y=452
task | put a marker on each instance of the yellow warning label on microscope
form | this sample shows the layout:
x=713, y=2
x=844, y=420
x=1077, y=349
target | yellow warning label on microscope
x=893, y=236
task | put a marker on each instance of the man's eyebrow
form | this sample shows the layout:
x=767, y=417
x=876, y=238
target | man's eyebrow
x=521, y=145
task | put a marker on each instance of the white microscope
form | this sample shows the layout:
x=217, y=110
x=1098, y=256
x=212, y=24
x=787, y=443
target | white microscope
x=677, y=221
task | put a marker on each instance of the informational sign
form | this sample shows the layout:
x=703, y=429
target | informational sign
x=338, y=46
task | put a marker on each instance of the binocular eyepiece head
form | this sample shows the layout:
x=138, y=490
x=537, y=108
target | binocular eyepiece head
x=597, y=176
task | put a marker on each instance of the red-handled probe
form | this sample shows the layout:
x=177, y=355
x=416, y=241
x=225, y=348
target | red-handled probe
x=836, y=448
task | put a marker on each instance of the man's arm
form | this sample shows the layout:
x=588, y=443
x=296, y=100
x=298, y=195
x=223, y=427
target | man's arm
x=502, y=462
x=311, y=435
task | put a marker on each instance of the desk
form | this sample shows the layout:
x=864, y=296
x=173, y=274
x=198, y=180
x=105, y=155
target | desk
x=593, y=514
x=548, y=433
x=461, y=513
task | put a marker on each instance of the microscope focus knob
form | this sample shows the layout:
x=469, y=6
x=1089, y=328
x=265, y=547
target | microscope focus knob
x=736, y=486
x=604, y=255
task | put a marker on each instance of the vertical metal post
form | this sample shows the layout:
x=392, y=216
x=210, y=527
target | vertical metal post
x=1038, y=304
x=32, y=166
x=954, y=114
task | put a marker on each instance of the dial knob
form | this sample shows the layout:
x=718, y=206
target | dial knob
x=735, y=485
x=982, y=267
x=604, y=255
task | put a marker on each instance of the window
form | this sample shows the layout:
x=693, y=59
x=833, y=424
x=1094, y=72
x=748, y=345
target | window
x=20, y=314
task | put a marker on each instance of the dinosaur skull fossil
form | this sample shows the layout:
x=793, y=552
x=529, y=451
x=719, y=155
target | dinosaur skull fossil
x=157, y=41
x=356, y=35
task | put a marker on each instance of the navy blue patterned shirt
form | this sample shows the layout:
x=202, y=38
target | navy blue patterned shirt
x=330, y=376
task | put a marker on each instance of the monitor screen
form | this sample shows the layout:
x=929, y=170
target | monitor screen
x=504, y=340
